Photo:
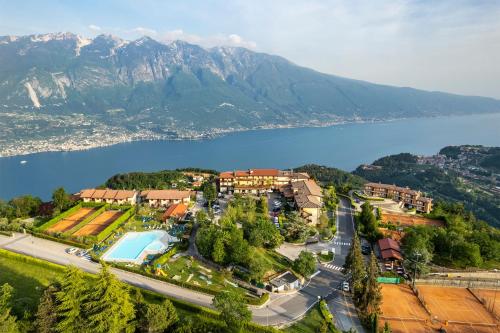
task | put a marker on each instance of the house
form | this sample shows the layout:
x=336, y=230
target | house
x=116, y=197
x=165, y=198
x=307, y=197
x=175, y=211
x=410, y=198
x=389, y=249
x=284, y=282
x=256, y=181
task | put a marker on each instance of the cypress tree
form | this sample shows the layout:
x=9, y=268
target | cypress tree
x=46, y=315
x=108, y=307
x=372, y=295
x=70, y=300
x=355, y=266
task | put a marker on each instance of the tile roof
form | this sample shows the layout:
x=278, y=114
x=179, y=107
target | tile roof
x=391, y=254
x=87, y=193
x=307, y=187
x=175, y=210
x=106, y=194
x=393, y=187
x=388, y=243
x=165, y=194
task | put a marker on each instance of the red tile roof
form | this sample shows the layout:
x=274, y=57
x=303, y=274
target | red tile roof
x=175, y=210
x=165, y=194
x=388, y=243
x=391, y=254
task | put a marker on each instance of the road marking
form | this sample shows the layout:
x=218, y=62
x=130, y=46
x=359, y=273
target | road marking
x=334, y=267
x=342, y=243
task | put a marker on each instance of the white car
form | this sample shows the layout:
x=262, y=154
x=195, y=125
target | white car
x=71, y=250
x=345, y=286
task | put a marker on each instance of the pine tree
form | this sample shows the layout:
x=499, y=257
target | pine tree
x=387, y=328
x=233, y=309
x=156, y=317
x=355, y=266
x=372, y=295
x=108, y=307
x=70, y=300
x=46, y=315
x=8, y=322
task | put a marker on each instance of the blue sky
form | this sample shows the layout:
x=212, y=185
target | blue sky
x=448, y=45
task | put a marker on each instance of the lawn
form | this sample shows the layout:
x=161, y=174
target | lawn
x=191, y=271
x=29, y=279
x=309, y=324
x=276, y=261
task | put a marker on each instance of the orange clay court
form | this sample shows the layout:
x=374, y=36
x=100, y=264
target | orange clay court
x=402, y=310
x=410, y=220
x=460, y=308
x=491, y=301
x=98, y=224
x=72, y=220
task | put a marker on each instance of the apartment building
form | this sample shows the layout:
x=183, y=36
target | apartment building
x=117, y=197
x=256, y=181
x=410, y=198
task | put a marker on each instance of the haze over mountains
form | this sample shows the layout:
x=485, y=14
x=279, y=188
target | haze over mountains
x=183, y=88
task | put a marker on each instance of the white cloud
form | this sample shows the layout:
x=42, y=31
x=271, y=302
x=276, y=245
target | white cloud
x=142, y=31
x=207, y=41
x=94, y=27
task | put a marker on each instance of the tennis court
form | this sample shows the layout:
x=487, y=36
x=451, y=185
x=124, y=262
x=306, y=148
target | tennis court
x=72, y=220
x=98, y=224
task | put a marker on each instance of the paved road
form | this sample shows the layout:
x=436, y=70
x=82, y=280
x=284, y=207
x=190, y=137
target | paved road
x=282, y=309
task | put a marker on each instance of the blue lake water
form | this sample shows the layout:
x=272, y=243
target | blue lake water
x=341, y=146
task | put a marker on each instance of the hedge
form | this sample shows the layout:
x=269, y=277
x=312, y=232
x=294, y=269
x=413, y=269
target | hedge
x=28, y=259
x=59, y=217
x=364, y=197
x=6, y=233
x=55, y=239
x=110, y=228
x=166, y=256
x=85, y=221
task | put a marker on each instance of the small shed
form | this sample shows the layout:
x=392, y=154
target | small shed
x=284, y=281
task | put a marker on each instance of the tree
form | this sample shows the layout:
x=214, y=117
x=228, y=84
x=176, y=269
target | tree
x=372, y=296
x=218, y=252
x=355, y=265
x=257, y=267
x=202, y=217
x=295, y=228
x=305, y=264
x=417, y=249
x=46, y=315
x=263, y=205
x=70, y=301
x=324, y=326
x=25, y=205
x=60, y=199
x=108, y=307
x=368, y=222
x=234, y=312
x=8, y=322
x=209, y=192
x=156, y=317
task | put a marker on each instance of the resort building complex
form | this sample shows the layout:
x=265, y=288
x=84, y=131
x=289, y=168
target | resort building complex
x=294, y=186
x=118, y=197
x=154, y=198
x=164, y=198
x=410, y=198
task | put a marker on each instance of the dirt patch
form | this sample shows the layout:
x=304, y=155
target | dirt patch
x=98, y=224
x=409, y=220
x=72, y=220
x=490, y=299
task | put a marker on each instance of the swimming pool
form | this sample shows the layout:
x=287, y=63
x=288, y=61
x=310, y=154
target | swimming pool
x=133, y=247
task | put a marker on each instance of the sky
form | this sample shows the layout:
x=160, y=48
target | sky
x=442, y=45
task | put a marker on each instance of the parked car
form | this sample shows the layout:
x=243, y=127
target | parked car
x=345, y=286
x=365, y=249
x=71, y=250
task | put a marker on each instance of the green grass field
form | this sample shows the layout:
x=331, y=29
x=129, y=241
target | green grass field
x=309, y=324
x=29, y=279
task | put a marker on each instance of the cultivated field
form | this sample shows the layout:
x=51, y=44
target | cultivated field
x=491, y=301
x=72, y=220
x=401, y=308
x=409, y=220
x=457, y=306
x=98, y=224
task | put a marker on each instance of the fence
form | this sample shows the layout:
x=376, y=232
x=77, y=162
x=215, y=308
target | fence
x=460, y=282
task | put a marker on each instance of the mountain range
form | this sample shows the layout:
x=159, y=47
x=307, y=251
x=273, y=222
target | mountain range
x=181, y=88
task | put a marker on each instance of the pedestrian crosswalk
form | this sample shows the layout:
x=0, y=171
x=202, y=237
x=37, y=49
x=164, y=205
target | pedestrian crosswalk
x=334, y=267
x=342, y=243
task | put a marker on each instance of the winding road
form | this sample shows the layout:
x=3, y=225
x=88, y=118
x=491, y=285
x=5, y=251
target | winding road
x=280, y=310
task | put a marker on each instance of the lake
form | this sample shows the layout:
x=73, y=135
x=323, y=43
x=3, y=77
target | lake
x=341, y=146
